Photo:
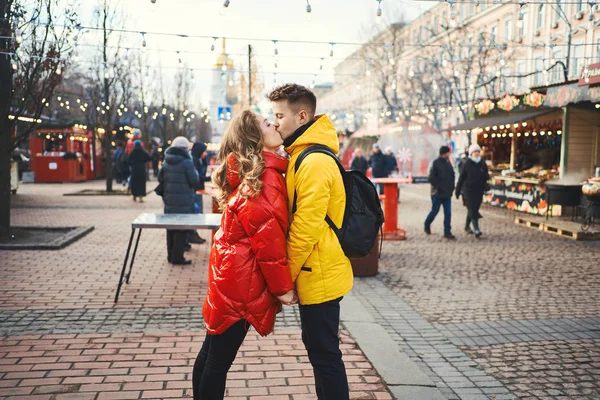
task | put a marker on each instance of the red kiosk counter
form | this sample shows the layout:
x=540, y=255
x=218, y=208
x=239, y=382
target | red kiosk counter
x=65, y=153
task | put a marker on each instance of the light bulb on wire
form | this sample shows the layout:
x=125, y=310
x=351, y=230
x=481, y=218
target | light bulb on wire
x=143, y=39
x=224, y=8
x=308, y=11
x=331, y=51
x=378, y=14
x=212, y=46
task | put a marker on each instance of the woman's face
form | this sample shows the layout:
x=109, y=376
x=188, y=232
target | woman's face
x=271, y=138
x=475, y=154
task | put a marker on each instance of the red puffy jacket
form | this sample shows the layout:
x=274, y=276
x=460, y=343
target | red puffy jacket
x=248, y=261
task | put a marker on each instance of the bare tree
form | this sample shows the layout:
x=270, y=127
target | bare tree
x=110, y=83
x=33, y=51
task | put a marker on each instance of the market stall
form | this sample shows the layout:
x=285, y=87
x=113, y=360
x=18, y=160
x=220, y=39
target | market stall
x=64, y=153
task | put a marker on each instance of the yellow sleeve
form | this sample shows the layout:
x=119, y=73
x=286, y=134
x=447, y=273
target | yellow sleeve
x=313, y=183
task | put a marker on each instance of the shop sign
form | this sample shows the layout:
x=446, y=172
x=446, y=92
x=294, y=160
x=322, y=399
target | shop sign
x=590, y=75
x=569, y=94
x=518, y=196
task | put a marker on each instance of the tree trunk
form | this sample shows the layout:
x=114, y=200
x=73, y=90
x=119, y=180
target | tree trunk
x=6, y=76
x=107, y=124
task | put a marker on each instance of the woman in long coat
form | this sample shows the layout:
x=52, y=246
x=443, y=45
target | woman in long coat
x=138, y=160
x=472, y=185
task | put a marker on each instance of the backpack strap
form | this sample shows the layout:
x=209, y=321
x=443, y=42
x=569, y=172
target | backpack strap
x=318, y=148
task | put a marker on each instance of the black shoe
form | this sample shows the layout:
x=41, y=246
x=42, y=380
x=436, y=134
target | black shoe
x=478, y=234
x=427, y=230
x=450, y=236
x=182, y=262
x=187, y=247
x=468, y=230
x=197, y=240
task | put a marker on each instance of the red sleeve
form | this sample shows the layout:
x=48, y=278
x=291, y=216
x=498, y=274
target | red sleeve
x=265, y=220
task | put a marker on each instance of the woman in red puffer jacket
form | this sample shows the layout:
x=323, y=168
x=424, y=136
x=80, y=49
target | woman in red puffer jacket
x=248, y=276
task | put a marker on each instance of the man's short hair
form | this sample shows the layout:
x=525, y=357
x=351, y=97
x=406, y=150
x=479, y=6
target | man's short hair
x=298, y=97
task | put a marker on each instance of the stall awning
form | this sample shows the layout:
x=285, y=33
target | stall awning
x=505, y=119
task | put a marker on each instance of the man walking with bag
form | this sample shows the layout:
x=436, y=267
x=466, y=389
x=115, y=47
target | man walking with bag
x=320, y=269
x=441, y=178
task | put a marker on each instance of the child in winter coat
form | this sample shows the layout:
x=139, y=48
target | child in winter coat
x=248, y=276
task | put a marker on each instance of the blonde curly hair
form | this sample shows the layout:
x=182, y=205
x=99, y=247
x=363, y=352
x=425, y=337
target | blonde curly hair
x=244, y=139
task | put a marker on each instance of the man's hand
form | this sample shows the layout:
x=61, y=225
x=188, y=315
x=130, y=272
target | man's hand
x=289, y=298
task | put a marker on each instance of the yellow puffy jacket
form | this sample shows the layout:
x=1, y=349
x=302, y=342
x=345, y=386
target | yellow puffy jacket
x=319, y=267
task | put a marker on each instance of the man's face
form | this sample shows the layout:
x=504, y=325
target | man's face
x=359, y=153
x=286, y=120
x=446, y=156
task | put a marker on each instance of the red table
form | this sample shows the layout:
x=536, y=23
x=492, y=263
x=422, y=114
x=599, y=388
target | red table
x=391, y=231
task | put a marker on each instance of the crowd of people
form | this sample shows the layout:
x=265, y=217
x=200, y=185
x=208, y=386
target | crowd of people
x=381, y=164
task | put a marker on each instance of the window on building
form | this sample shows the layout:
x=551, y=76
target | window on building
x=444, y=21
x=539, y=68
x=493, y=34
x=523, y=29
x=579, y=6
x=558, y=70
x=576, y=62
x=520, y=79
x=540, y=17
x=508, y=29
x=481, y=41
x=436, y=25
x=557, y=15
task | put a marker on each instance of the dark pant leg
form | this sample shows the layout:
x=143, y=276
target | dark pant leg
x=435, y=209
x=179, y=241
x=170, y=235
x=476, y=224
x=447, y=204
x=320, y=326
x=381, y=188
x=214, y=361
x=468, y=223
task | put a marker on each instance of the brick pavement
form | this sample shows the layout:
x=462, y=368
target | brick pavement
x=517, y=299
x=515, y=314
x=61, y=337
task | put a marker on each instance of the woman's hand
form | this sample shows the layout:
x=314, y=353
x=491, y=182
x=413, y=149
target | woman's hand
x=289, y=298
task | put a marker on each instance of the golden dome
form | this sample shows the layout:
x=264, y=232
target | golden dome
x=223, y=58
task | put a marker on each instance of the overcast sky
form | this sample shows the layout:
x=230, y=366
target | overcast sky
x=332, y=21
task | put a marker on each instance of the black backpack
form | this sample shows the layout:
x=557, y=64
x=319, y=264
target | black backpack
x=363, y=216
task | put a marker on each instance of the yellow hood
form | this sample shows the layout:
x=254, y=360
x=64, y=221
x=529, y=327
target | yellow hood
x=321, y=131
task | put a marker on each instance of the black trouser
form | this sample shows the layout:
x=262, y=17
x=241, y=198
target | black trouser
x=176, y=241
x=320, y=326
x=214, y=361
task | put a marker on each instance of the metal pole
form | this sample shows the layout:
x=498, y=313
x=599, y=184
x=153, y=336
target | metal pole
x=249, y=75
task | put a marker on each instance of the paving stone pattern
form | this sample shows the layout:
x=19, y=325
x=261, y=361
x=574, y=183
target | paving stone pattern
x=78, y=321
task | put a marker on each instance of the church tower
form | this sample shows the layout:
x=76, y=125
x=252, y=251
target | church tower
x=221, y=99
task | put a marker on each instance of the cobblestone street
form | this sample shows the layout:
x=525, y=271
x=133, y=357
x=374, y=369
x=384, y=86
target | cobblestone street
x=513, y=315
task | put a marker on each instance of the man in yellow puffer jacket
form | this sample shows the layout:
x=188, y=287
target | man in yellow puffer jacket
x=320, y=269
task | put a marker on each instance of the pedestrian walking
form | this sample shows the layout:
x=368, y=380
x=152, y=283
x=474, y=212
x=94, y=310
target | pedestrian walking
x=391, y=164
x=472, y=184
x=378, y=165
x=155, y=159
x=319, y=267
x=179, y=181
x=359, y=163
x=441, y=178
x=138, y=161
x=248, y=276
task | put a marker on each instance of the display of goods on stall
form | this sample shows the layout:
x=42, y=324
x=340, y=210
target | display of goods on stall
x=508, y=102
x=517, y=195
x=592, y=188
x=534, y=99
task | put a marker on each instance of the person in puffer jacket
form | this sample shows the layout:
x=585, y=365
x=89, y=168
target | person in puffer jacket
x=248, y=276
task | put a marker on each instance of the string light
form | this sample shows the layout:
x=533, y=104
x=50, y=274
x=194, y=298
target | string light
x=212, y=46
x=308, y=11
x=275, y=51
x=331, y=51
x=143, y=39
x=521, y=15
x=58, y=70
x=378, y=14
x=225, y=7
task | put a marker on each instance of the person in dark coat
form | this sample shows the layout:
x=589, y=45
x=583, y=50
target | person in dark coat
x=199, y=159
x=180, y=182
x=377, y=162
x=116, y=163
x=155, y=158
x=359, y=163
x=472, y=184
x=138, y=159
x=441, y=178
x=391, y=163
